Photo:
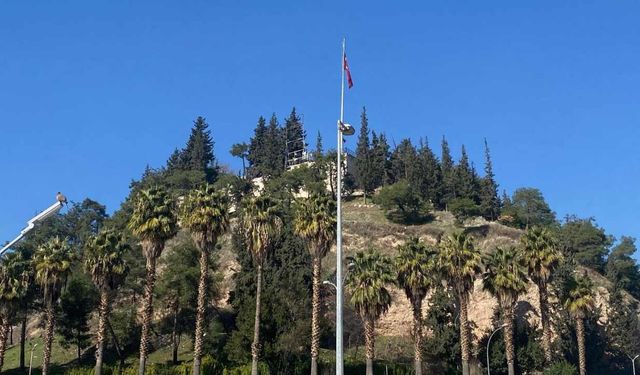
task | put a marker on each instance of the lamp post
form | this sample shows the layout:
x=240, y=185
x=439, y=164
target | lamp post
x=633, y=363
x=489, y=344
x=343, y=130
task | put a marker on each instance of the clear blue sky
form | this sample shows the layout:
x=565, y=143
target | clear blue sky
x=91, y=92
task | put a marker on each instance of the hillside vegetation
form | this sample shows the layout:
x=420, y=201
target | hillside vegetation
x=202, y=271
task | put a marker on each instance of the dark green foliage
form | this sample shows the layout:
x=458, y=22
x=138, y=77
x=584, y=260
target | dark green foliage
x=381, y=165
x=622, y=269
x=319, y=151
x=177, y=287
x=402, y=204
x=286, y=301
x=561, y=368
x=465, y=181
x=77, y=302
x=600, y=360
x=584, y=242
x=295, y=138
x=240, y=150
x=198, y=153
x=464, y=208
x=489, y=201
x=529, y=353
x=274, y=150
x=256, y=154
x=442, y=347
x=403, y=162
x=448, y=175
x=366, y=178
x=427, y=176
x=623, y=325
x=263, y=369
x=528, y=208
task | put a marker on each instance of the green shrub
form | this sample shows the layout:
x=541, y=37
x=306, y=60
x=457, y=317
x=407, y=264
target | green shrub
x=263, y=369
x=402, y=204
x=561, y=368
x=464, y=208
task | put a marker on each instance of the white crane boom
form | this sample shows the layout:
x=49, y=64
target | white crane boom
x=52, y=210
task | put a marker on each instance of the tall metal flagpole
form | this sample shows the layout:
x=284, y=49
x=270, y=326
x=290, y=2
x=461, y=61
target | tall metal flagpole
x=339, y=278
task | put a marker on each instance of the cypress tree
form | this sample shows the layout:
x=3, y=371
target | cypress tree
x=448, y=175
x=364, y=158
x=489, y=201
x=256, y=154
x=319, y=149
x=383, y=158
x=377, y=169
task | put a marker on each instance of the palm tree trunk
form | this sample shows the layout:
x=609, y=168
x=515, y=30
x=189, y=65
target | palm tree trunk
x=255, y=347
x=4, y=331
x=48, y=337
x=464, y=334
x=200, y=315
x=23, y=341
x=417, y=336
x=507, y=320
x=370, y=343
x=103, y=311
x=147, y=313
x=315, y=315
x=581, y=346
x=544, y=320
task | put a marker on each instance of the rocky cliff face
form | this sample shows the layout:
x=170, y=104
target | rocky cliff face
x=365, y=226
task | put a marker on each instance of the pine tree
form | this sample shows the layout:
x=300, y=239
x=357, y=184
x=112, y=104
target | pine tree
x=403, y=162
x=448, y=175
x=256, y=154
x=489, y=201
x=198, y=154
x=274, y=150
x=383, y=159
x=464, y=180
x=295, y=137
x=429, y=169
x=319, y=149
x=364, y=158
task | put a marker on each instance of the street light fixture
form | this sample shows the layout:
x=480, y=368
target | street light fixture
x=489, y=344
x=633, y=363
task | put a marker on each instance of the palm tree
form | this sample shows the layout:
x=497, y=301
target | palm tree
x=368, y=276
x=459, y=262
x=505, y=278
x=154, y=222
x=579, y=302
x=52, y=263
x=261, y=225
x=416, y=267
x=14, y=282
x=104, y=260
x=315, y=222
x=205, y=213
x=542, y=256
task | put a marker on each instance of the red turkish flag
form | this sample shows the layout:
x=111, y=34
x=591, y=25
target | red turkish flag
x=346, y=69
